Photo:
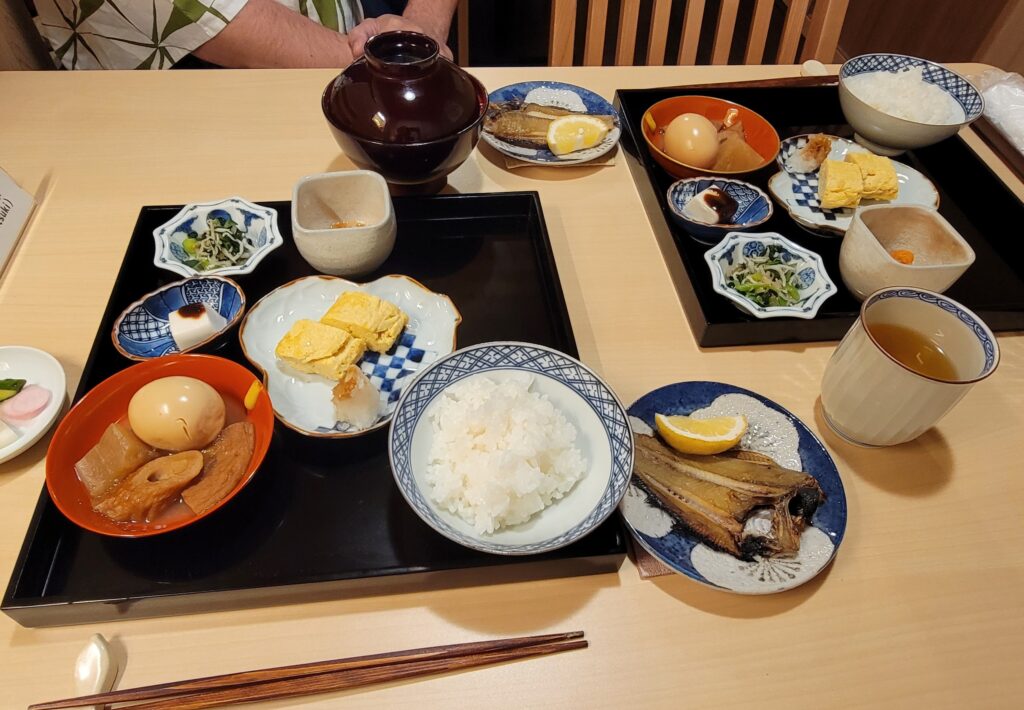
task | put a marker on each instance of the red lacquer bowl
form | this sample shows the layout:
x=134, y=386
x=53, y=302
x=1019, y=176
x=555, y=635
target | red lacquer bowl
x=759, y=133
x=107, y=402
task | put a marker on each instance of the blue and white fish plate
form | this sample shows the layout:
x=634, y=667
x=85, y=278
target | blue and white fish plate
x=143, y=329
x=603, y=438
x=258, y=221
x=304, y=402
x=797, y=193
x=771, y=431
x=561, y=95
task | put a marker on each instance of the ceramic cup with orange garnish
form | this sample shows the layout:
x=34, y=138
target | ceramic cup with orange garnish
x=159, y=445
x=901, y=245
x=703, y=135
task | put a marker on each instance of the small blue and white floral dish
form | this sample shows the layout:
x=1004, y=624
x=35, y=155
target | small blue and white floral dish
x=753, y=206
x=143, y=330
x=603, y=439
x=304, y=403
x=797, y=193
x=811, y=281
x=887, y=134
x=560, y=95
x=252, y=234
x=773, y=432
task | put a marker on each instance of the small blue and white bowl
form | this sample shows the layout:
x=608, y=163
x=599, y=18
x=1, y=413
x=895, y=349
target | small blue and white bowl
x=753, y=206
x=143, y=330
x=815, y=286
x=603, y=438
x=260, y=222
x=886, y=134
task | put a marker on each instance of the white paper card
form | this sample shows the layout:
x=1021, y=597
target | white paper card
x=16, y=206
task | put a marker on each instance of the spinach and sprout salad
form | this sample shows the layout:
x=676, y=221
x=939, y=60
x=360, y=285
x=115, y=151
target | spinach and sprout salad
x=769, y=277
x=224, y=243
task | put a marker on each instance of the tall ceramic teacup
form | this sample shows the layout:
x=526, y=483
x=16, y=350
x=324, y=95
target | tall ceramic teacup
x=870, y=397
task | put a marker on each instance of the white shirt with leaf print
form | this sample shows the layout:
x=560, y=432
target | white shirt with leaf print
x=154, y=34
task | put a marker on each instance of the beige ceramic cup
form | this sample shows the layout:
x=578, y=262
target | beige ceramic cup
x=350, y=196
x=870, y=398
x=941, y=255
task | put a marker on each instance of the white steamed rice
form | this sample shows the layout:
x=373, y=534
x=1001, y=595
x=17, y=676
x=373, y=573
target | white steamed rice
x=500, y=452
x=905, y=94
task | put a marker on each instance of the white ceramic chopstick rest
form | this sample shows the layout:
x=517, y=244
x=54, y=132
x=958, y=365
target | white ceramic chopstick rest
x=95, y=668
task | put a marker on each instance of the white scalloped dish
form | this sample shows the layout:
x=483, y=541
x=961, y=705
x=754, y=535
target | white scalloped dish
x=304, y=403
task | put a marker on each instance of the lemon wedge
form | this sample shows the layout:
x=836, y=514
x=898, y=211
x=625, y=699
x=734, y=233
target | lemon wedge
x=252, y=395
x=571, y=133
x=701, y=436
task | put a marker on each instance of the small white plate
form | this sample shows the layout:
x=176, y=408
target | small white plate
x=797, y=193
x=305, y=405
x=38, y=368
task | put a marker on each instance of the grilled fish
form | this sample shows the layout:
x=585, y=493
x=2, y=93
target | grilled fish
x=748, y=508
x=526, y=125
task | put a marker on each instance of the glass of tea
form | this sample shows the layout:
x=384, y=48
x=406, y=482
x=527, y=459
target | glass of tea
x=911, y=356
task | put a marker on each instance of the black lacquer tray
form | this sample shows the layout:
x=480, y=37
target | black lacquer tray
x=322, y=518
x=972, y=198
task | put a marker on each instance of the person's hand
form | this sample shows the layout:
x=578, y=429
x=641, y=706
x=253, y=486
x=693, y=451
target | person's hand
x=373, y=26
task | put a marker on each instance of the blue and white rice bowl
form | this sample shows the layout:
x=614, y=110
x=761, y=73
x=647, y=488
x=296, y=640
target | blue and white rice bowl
x=603, y=437
x=259, y=222
x=753, y=206
x=814, y=284
x=772, y=431
x=890, y=135
x=561, y=95
x=143, y=330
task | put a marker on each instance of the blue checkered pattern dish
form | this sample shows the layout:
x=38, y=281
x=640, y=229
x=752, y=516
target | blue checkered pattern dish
x=304, y=402
x=753, y=207
x=143, y=331
x=561, y=95
x=260, y=222
x=772, y=431
x=814, y=285
x=387, y=372
x=604, y=439
x=949, y=81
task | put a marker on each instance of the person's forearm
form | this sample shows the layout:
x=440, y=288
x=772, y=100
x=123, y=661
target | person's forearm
x=266, y=34
x=434, y=16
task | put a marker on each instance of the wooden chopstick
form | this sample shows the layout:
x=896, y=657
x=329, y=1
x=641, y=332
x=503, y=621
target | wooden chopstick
x=164, y=690
x=344, y=680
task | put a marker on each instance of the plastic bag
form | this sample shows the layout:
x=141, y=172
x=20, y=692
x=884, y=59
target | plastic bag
x=1004, y=103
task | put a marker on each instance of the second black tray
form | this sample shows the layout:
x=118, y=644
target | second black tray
x=972, y=198
x=321, y=518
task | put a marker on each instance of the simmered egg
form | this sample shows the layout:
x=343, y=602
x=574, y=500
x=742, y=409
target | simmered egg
x=176, y=413
x=692, y=139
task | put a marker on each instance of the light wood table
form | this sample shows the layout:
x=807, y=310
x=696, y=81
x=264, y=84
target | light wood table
x=924, y=605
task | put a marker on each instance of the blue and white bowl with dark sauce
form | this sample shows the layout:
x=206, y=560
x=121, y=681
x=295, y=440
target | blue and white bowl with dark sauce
x=772, y=431
x=560, y=95
x=753, y=207
x=258, y=221
x=603, y=439
x=143, y=330
x=887, y=134
x=814, y=284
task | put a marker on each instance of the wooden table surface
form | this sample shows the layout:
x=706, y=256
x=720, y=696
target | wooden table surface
x=924, y=604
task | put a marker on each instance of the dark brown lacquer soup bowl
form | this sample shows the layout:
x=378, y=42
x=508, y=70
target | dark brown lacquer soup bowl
x=405, y=111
